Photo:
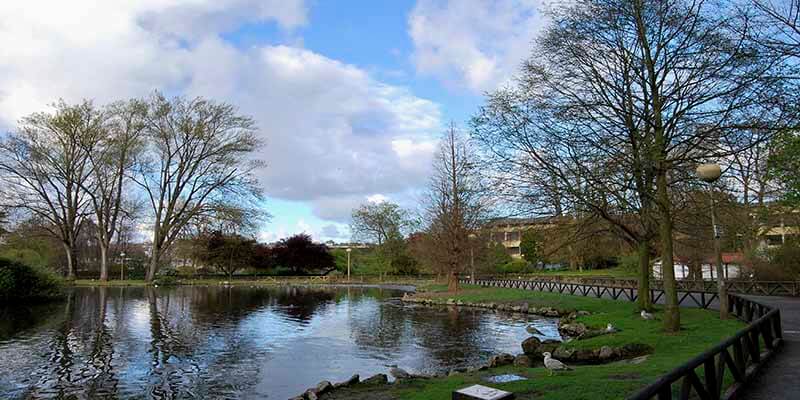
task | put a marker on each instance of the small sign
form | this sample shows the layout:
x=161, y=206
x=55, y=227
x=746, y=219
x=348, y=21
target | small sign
x=480, y=392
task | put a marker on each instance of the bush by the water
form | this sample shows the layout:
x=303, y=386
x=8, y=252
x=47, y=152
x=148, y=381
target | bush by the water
x=19, y=281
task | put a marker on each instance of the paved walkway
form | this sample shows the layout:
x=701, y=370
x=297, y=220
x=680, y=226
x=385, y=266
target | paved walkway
x=780, y=377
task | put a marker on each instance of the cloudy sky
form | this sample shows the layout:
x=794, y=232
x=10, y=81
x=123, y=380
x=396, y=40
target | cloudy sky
x=350, y=96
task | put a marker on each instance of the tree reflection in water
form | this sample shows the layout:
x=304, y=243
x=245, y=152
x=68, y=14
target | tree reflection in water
x=232, y=342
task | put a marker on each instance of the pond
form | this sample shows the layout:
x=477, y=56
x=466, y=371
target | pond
x=237, y=342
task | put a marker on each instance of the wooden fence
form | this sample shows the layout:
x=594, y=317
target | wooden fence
x=703, y=377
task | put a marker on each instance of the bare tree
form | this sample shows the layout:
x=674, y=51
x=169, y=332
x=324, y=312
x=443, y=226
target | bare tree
x=45, y=164
x=618, y=104
x=201, y=153
x=456, y=203
x=112, y=161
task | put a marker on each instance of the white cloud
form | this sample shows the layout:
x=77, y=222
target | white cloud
x=334, y=133
x=476, y=44
x=377, y=198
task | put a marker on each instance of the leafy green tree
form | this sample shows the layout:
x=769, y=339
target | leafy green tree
x=531, y=246
x=496, y=257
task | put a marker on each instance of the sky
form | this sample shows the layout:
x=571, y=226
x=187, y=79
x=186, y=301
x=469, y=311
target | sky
x=350, y=97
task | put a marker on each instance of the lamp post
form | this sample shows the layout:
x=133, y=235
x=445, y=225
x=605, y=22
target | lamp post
x=348, y=263
x=472, y=237
x=122, y=270
x=710, y=173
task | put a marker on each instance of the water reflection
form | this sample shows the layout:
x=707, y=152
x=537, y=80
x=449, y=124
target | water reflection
x=242, y=342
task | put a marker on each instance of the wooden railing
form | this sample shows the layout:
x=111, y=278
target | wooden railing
x=740, y=356
x=703, y=377
x=758, y=288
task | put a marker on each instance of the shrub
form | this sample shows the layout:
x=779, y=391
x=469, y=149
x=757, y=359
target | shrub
x=19, y=281
x=166, y=280
x=629, y=263
x=515, y=267
x=404, y=265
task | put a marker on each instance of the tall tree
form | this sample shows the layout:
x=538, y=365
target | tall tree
x=618, y=103
x=456, y=203
x=112, y=159
x=44, y=165
x=201, y=152
x=378, y=222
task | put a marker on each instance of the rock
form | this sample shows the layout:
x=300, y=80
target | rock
x=523, y=361
x=585, y=355
x=638, y=360
x=583, y=313
x=399, y=373
x=524, y=307
x=452, y=372
x=298, y=398
x=324, y=387
x=450, y=302
x=377, y=379
x=501, y=360
x=606, y=353
x=516, y=309
x=310, y=394
x=576, y=329
x=631, y=350
x=534, y=347
x=563, y=353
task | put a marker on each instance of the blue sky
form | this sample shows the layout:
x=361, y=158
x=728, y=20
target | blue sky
x=350, y=96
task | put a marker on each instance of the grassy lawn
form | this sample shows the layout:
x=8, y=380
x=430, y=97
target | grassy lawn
x=701, y=329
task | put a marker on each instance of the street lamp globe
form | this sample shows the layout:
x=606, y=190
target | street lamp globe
x=709, y=172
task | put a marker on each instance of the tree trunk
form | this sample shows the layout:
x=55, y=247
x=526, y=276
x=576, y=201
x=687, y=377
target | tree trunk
x=103, y=262
x=70, y=261
x=644, y=300
x=153, y=267
x=452, y=281
x=672, y=316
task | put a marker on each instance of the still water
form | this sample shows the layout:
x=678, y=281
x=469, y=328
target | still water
x=236, y=342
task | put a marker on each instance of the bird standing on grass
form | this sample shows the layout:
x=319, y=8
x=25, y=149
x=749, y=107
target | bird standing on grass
x=553, y=365
x=646, y=315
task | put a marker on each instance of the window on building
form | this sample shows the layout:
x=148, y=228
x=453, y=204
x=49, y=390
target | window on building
x=499, y=236
x=512, y=236
x=514, y=251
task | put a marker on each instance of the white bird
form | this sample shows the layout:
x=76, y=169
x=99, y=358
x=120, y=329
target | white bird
x=611, y=329
x=554, y=365
x=646, y=315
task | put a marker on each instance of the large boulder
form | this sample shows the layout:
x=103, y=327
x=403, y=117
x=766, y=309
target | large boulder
x=535, y=347
x=574, y=329
x=324, y=387
x=377, y=379
x=399, y=373
x=606, y=353
x=350, y=382
x=523, y=360
x=501, y=360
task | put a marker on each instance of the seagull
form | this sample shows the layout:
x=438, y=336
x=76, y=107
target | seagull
x=554, y=365
x=611, y=329
x=646, y=315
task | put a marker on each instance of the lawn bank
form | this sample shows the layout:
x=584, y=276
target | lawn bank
x=701, y=330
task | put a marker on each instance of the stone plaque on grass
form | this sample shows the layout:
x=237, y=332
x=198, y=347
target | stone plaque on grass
x=480, y=392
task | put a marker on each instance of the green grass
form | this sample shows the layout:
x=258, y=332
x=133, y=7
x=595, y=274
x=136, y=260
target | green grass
x=700, y=330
